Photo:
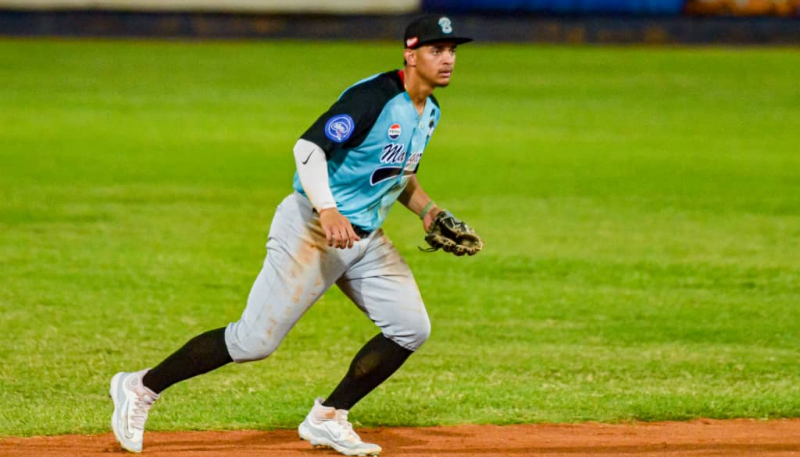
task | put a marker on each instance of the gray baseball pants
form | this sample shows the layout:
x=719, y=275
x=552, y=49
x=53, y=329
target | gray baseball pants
x=300, y=267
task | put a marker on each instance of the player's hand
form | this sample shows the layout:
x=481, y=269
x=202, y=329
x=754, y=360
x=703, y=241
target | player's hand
x=429, y=217
x=338, y=229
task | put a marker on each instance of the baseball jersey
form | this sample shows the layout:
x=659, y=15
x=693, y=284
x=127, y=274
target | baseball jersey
x=374, y=139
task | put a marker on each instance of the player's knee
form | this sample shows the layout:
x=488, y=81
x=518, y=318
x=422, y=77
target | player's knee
x=415, y=335
x=422, y=334
x=251, y=348
x=257, y=349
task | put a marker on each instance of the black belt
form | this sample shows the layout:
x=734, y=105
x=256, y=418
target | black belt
x=358, y=230
x=361, y=232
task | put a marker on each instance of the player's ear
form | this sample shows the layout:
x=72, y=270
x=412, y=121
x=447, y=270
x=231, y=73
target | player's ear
x=410, y=57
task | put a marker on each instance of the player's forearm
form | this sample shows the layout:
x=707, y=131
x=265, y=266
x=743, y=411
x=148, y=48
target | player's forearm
x=413, y=196
x=312, y=169
x=418, y=202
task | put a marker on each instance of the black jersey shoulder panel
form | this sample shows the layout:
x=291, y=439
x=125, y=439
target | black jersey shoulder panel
x=363, y=104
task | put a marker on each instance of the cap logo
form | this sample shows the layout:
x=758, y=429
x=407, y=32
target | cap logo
x=411, y=42
x=394, y=131
x=339, y=128
x=446, y=25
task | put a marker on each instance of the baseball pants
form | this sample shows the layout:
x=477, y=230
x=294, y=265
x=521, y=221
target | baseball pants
x=300, y=267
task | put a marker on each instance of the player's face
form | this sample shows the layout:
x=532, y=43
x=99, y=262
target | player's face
x=435, y=62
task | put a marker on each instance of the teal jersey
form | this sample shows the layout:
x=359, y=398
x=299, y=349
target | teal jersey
x=374, y=139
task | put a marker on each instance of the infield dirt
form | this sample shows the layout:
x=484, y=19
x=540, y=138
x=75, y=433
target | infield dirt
x=696, y=438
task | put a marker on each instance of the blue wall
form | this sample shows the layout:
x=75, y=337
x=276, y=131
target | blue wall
x=638, y=7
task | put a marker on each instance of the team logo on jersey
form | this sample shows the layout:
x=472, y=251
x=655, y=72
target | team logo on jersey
x=394, y=131
x=446, y=25
x=339, y=128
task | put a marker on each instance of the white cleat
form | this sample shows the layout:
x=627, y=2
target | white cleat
x=328, y=427
x=132, y=401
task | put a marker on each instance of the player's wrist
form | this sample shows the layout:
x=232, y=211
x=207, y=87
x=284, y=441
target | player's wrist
x=431, y=206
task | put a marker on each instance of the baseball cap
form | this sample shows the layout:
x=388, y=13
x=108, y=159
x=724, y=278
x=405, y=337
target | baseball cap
x=430, y=29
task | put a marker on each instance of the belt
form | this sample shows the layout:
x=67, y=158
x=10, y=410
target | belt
x=360, y=232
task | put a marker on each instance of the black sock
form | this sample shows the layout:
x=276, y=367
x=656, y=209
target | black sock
x=373, y=364
x=201, y=354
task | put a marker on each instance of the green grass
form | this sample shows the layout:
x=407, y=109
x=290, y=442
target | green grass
x=640, y=206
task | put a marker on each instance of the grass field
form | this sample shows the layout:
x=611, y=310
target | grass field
x=640, y=206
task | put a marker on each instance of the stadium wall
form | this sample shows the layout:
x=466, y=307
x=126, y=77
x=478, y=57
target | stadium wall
x=620, y=7
x=635, y=7
x=539, y=21
x=227, y=6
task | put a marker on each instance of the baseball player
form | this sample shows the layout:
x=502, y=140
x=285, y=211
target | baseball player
x=352, y=164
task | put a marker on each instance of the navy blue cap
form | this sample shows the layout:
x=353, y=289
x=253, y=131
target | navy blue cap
x=430, y=29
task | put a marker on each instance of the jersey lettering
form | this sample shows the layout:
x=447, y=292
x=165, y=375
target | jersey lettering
x=393, y=153
x=414, y=160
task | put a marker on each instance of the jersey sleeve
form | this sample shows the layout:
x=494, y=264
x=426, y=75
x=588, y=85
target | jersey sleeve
x=347, y=122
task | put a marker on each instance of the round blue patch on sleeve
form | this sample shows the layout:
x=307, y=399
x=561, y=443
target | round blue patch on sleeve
x=339, y=128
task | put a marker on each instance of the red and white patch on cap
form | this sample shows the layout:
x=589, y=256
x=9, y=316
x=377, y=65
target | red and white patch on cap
x=411, y=42
x=394, y=131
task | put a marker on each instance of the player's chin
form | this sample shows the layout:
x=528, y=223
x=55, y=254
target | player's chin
x=443, y=78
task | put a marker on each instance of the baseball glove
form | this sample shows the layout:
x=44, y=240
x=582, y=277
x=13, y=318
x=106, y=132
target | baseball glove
x=451, y=235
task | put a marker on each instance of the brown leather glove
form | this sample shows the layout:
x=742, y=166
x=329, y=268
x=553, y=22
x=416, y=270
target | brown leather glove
x=451, y=235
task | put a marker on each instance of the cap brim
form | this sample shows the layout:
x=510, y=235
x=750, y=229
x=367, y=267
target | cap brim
x=453, y=39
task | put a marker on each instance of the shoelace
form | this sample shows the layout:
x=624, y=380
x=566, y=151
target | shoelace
x=141, y=406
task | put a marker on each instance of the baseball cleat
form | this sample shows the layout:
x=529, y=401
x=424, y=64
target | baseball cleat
x=132, y=401
x=328, y=427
